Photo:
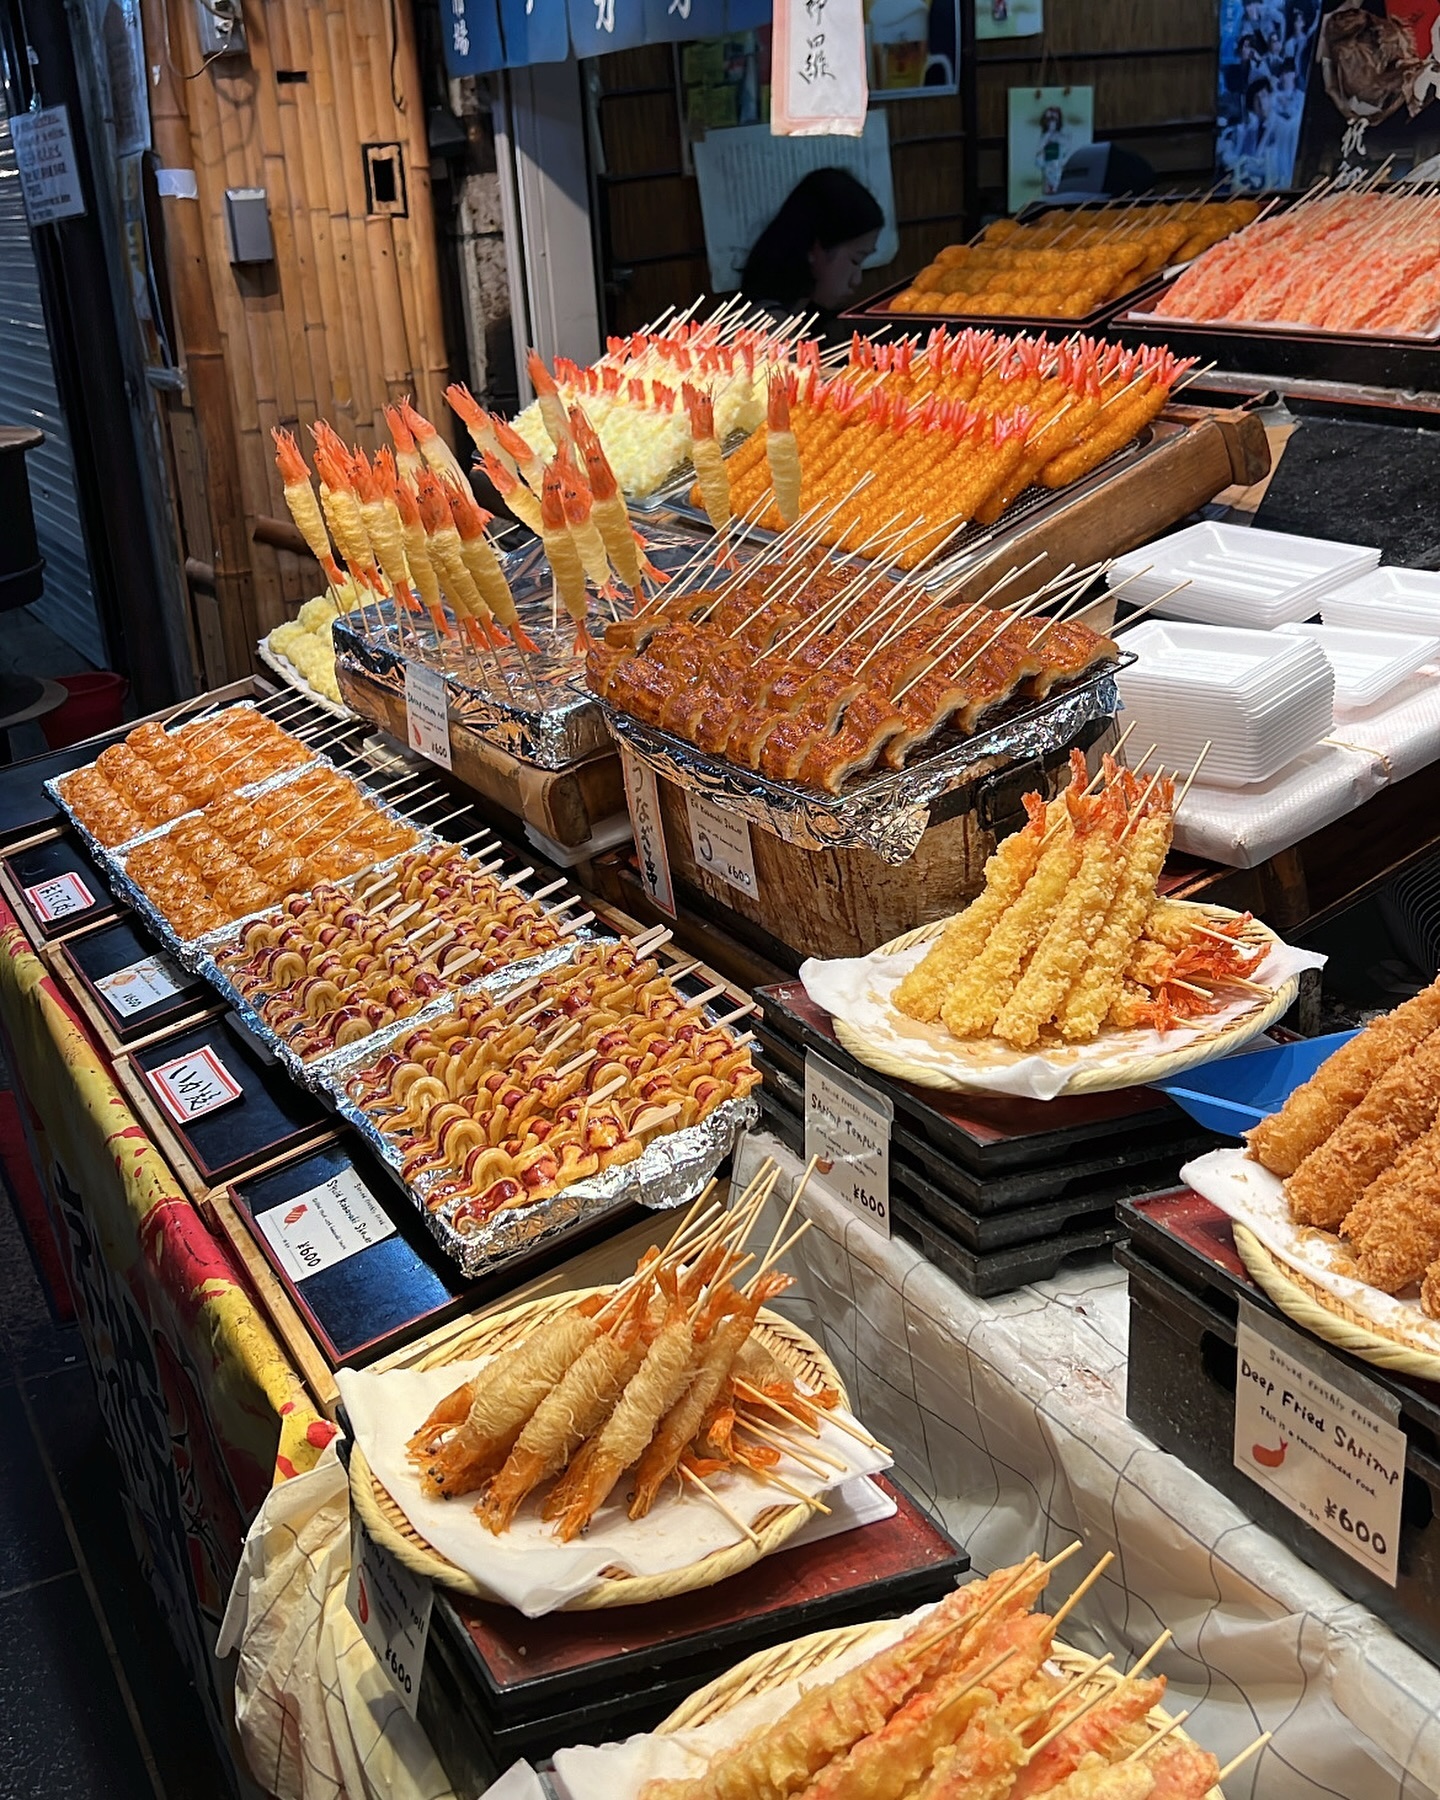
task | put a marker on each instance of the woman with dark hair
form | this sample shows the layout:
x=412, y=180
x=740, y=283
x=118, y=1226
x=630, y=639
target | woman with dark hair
x=809, y=257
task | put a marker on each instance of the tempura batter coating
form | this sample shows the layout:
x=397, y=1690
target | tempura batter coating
x=1095, y=1779
x=981, y=1766
x=1097, y=989
x=1315, y=1109
x=922, y=992
x=1399, y=1108
x=1395, y=1230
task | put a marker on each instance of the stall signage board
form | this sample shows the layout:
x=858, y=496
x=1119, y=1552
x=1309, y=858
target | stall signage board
x=141, y=985
x=325, y=1225
x=1321, y=1438
x=392, y=1608
x=193, y=1085
x=427, y=713
x=45, y=156
x=721, y=842
x=847, y=1126
x=58, y=897
x=642, y=796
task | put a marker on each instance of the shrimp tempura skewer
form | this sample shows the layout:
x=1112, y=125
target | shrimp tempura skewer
x=608, y=510
x=408, y=460
x=530, y=463
x=341, y=507
x=705, y=454
x=581, y=525
x=484, y=566
x=564, y=558
x=417, y=556
x=552, y=407
x=383, y=527
x=782, y=452
x=478, y=423
x=437, y=453
x=516, y=495
x=304, y=507
x=445, y=558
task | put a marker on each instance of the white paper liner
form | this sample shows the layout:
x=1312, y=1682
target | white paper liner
x=620, y=1771
x=1245, y=1191
x=528, y=1567
x=858, y=990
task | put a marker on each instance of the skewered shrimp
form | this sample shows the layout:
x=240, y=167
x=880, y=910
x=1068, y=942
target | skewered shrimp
x=384, y=528
x=581, y=525
x=981, y=1766
x=1096, y=1779
x=478, y=423
x=611, y=518
x=1092, y=996
x=501, y=1399
x=648, y=1396
x=781, y=450
x=341, y=506
x=408, y=460
x=579, y=1405
x=514, y=493
x=529, y=462
x=304, y=507
x=564, y=558
x=1101, y=1730
x=437, y=453
x=445, y=558
x=705, y=454
x=417, y=556
x=547, y=395
x=484, y=565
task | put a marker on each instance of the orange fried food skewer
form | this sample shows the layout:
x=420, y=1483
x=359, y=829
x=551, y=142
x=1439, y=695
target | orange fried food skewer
x=303, y=505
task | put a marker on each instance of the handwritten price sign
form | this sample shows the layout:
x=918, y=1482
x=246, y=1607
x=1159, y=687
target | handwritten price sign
x=847, y=1125
x=1321, y=1439
x=58, y=897
x=193, y=1085
x=721, y=842
x=427, y=713
x=392, y=1608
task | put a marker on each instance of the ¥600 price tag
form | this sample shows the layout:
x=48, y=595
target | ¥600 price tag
x=847, y=1125
x=1321, y=1439
x=642, y=796
x=141, y=985
x=721, y=842
x=427, y=713
x=392, y=1608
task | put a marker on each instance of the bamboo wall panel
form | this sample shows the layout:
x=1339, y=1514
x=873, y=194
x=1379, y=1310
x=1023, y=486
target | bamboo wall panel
x=348, y=315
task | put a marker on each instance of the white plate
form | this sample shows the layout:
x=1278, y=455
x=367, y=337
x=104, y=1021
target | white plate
x=1368, y=664
x=1387, y=600
x=1239, y=576
x=1216, y=661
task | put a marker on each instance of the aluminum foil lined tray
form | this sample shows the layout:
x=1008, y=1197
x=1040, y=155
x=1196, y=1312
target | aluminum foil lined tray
x=670, y=1171
x=552, y=724
x=291, y=676
x=887, y=813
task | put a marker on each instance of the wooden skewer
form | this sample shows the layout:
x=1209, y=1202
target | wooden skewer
x=776, y=1442
x=1083, y=1589
x=1056, y=1699
x=1189, y=780
x=720, y=1505
x=824, y=1415
x=1071, y=1549
x=1149, y=1656
x=783, y=1440
x=790, y=1487
x=1159, y=1737
x=1250, y=1750
x=1103, y=1693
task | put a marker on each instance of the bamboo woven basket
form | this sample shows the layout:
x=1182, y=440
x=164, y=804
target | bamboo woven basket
x=387, y=1524
x=1211, y=1043
x=1327, y=1316
x=809, y=1655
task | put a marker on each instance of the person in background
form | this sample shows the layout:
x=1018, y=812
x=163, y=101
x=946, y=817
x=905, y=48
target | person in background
x=810, y=256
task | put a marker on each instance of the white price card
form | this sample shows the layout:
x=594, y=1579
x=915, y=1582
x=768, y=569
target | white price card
x=141, y=985
x=45, y=156
x=642, y=796
x=325, y=1225
x=427, y=713
x=58, y=897
x=193, y=1085
x=721, y=842
x=847, y=1125
x=392, y=1608
x=1320, y=1438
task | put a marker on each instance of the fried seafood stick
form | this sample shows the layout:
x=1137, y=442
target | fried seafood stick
x=1314, y=1110
x=1395, y=1226
x=1400, y=1107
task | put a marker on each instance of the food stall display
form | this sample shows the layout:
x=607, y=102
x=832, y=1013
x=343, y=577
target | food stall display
x=1065, y=264
x=302, y=651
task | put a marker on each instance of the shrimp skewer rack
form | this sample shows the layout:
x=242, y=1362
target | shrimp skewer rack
x=503, y=1102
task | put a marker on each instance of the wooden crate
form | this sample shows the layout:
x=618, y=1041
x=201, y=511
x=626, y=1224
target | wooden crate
x=565, y=804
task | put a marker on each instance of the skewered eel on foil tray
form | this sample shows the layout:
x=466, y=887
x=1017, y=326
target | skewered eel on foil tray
x=886, y=812
x=552, y=728
x=671, y=1169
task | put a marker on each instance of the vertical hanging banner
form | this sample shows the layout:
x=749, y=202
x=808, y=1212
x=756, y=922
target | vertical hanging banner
x=534, y=31
x=597, y=26
x=818, y=81
x=472, y=41
x=666, y=19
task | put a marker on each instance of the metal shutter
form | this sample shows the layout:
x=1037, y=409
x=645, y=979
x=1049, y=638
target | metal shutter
x=28, y=397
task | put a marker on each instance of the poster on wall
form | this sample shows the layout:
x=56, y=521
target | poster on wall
x=913, y=47
x=1266, y=51
x=1372, y=95
x=726, y=81
x=1009, y=18
x=1046, y=126
x=745, y=174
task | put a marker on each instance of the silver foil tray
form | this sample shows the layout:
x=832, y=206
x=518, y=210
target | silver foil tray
x=889, y=812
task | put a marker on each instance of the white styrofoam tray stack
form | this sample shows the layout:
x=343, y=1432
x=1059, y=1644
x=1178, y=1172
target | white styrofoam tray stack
x=1258, y=698
x=1369, y=665
x=1387, y=599
x=1235, y=575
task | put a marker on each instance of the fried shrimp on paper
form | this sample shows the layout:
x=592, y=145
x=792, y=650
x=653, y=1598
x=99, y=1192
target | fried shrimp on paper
x=1316, y=1109
x=1394, y=1227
